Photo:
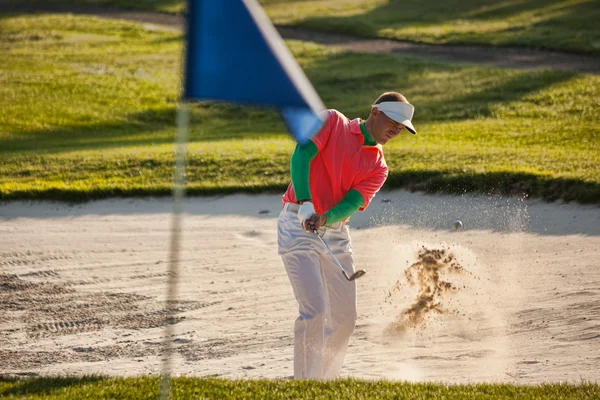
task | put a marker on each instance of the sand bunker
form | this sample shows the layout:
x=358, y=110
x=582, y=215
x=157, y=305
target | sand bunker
x=82, y=290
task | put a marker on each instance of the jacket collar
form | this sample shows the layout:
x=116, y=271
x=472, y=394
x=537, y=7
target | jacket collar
x=355, y=128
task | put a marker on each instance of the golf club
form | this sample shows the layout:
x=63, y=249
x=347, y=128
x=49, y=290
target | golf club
x=355, y=275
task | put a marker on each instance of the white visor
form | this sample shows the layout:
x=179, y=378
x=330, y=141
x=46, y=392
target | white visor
x=399, y=112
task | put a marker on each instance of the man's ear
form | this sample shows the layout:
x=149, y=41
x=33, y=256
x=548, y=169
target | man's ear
x=374, y=111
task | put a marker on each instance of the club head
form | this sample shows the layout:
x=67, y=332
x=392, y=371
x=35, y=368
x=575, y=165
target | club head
x=357, y=274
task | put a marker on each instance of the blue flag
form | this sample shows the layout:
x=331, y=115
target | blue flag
x=235, y=54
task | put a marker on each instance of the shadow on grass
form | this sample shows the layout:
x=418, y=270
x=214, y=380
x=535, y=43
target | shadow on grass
x=83, y=6
x=43, y=386
x=137, y=130
x=505, y=183
x=210, y=122
x=149, y=5
x=562, y=21
x=351, y=82
x=481, y=102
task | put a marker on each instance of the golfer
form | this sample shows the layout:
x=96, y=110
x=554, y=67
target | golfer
x=334, y=175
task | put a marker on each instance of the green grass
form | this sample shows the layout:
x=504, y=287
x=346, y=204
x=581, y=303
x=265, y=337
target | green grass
x=566, y=25
x=209, y=388
x=88, y=111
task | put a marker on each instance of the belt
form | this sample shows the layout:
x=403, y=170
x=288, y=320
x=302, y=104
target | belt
x=293, y=207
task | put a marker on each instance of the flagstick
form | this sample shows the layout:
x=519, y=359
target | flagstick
x=183, y=121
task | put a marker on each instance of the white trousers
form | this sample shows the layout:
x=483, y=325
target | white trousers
x=326, y=300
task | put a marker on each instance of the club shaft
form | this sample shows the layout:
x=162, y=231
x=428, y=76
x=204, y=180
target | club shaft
x=332, y=255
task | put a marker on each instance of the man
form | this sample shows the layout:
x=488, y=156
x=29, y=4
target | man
x=334, y=175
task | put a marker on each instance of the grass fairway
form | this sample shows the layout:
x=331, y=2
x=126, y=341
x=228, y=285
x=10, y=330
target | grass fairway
x=567, y=25
x=194, y=388
x=88, y=111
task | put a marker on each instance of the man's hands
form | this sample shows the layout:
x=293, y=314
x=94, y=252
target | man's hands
x=308, y=218
x=314, y=222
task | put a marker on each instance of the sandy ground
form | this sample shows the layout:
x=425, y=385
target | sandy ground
x=512, y=297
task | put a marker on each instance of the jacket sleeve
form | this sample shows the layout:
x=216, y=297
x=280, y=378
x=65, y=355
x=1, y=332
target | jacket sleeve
x=350, y=204
x=300, y=169
x=303, y=155
x=370, y=185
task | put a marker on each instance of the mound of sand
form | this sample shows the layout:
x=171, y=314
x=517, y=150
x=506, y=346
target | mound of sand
x=427, y=274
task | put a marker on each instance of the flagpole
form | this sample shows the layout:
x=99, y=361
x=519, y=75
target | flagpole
x=183, y=121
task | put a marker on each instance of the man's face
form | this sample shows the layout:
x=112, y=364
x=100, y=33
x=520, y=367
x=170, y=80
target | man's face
x=384, y=128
